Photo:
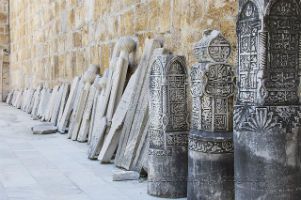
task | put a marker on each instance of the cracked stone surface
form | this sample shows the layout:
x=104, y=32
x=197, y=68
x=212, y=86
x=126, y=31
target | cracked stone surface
x=51, y=167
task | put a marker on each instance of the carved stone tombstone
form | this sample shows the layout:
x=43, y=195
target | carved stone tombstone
x=168, y=133
x=65, y=117
x=210, y=157
x=99, y=125
x=36, y=102
x=267, y=135
x=86, y=118
x=88, y=78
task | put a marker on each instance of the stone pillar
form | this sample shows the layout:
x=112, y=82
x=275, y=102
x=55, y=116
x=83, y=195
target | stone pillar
x=210, y=157
x=267, y=135
x=168, y=132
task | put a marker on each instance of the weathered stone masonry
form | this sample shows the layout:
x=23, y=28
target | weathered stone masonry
x=4, y=49
x=56, y=40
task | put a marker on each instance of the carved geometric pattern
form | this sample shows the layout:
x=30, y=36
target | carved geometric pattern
x=211, y=110
x=219, y=80
x=247, y=29
x=158, y=152
x=213, y=47
x=176, y=139
x=283, y=48
x=176, y=95
x=168, y=105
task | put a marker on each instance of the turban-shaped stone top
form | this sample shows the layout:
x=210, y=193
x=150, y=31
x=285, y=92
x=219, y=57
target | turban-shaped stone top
x=213, y=47
x=90, y=74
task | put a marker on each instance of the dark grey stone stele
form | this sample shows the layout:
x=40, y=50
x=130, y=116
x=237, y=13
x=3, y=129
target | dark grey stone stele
x=267, y=135
x=210, y=157
x=168, y=131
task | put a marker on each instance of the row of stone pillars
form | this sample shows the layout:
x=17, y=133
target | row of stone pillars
x=244, y=149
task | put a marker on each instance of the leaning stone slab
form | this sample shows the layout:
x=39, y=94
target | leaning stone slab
x=100, y=87
x=46, y=104
x=9, y=97
x=15, y=94
x=97, y=138
x=41, y=102
x=50, y=104
x=24, y=99
x=66, y=90
x=31, y=101
x=45, y=97
x=124, y=158
x=141, y=155
x=113, y=90
x=19, y=100
x=56, y=105
x=97, y=129
x=127, y=46
x=124, y=47
x=112, y=139
x=35, y=107
x=65, y=118
x=85, y=125
x=88, y=78
x=123, y=175
x=75, y=107
x=27, y=99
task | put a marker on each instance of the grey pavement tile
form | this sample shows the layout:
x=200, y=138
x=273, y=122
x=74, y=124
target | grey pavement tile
x=51, y=167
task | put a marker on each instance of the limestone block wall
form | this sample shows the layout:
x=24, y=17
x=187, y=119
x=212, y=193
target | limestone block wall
x=4, y=48
x=54, y=40
x=4, y=21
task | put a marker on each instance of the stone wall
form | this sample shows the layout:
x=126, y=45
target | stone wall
x=4, y=49
x=54, y=40
x=4, y=28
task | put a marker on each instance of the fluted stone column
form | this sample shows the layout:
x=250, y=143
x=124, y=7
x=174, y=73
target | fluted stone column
x=210, y=157
x=267, y=135
x=168, y=132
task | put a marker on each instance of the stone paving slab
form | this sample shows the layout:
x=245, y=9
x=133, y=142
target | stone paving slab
x=51, y=167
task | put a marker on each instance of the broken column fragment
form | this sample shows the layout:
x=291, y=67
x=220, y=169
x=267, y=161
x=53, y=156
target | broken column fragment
x=210, y=157
x=267, y=113
x=44, y=128
x=168, y=131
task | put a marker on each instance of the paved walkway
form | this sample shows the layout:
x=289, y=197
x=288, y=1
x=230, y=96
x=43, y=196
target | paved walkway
x=51, y=167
